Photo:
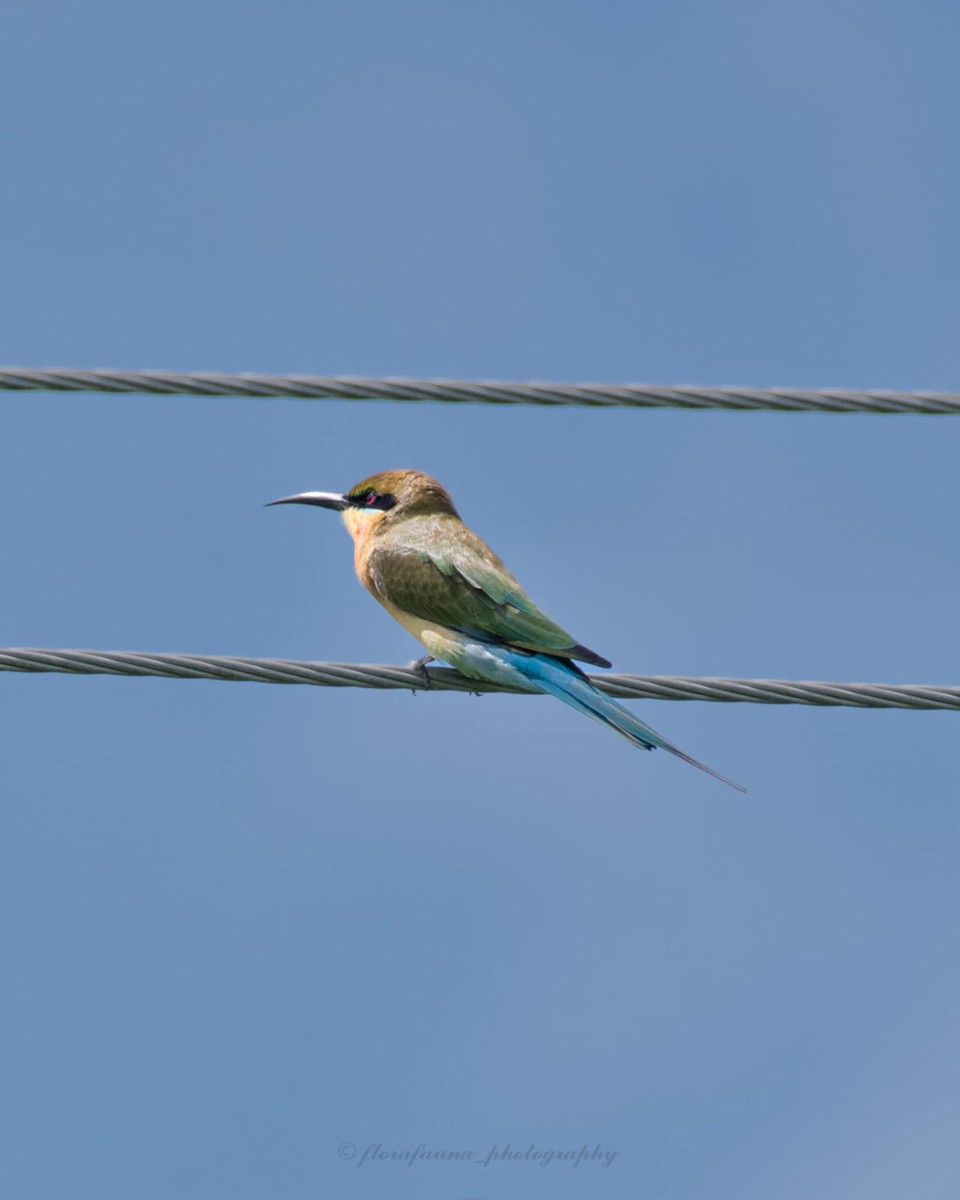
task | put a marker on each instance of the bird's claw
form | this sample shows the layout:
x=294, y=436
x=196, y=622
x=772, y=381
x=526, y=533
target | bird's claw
x=420, y=665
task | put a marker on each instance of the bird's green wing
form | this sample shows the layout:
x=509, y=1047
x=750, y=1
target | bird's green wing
x=457, y=581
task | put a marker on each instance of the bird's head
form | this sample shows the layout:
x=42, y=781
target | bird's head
x=386, y=497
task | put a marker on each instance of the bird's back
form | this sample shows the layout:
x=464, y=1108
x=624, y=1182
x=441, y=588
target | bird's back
x=432, y=566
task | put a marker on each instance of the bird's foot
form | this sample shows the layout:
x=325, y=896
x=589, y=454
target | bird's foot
x=420, y=665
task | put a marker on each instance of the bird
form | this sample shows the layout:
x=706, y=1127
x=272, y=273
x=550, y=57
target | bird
x=445, y=586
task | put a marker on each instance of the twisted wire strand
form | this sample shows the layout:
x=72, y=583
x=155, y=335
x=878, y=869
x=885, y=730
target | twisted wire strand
x=596, y=395
x=382, y=675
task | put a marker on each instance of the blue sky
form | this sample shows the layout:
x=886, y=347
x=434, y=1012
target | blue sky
x=242, y=925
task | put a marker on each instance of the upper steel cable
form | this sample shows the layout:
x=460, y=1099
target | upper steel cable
x=376, y=675
x=595, y=395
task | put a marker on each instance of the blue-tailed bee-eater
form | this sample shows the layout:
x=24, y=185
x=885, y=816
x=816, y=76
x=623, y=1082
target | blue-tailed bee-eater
x=448, y=588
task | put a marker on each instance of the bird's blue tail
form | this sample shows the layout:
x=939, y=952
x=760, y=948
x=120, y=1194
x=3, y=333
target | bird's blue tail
x=569, y=684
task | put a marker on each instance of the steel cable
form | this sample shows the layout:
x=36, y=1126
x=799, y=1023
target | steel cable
x=382, y=675
x=595, y=395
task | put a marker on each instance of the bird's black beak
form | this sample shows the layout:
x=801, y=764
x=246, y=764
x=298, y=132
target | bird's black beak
x=321, y=499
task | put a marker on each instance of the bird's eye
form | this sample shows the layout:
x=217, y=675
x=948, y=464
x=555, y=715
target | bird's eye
x=370, y=499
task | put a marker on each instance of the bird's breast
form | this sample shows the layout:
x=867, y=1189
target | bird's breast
x=361, y=530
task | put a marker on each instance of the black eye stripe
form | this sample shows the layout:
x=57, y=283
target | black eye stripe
x=371, y=499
